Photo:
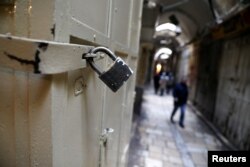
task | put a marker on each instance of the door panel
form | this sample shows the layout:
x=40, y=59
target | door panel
x=121, y=12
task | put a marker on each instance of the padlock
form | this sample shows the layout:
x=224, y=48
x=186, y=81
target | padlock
x=116, y=75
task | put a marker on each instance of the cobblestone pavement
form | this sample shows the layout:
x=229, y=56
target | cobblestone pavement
x=156, y=142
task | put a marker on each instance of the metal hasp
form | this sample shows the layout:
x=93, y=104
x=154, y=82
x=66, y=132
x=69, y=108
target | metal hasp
x=116, y=75
x=40, y=56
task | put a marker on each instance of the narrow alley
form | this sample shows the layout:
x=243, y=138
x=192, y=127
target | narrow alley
x=78, y=82
x=159, y=143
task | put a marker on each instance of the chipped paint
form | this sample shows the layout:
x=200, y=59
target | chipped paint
x=52, y=30
x=43, y=46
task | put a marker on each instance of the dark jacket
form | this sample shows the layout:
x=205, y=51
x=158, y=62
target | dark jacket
x=180, y=93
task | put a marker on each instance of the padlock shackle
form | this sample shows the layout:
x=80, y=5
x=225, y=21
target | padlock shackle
x=94, y=66
x=96, y=50
x=105, y=50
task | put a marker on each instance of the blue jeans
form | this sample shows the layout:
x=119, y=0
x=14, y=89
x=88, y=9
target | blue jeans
x=182, y=116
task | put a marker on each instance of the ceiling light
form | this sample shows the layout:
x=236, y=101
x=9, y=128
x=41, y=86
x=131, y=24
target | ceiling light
x=163, y=52
x=164, y=56
x=151, y=4
x=165, y=41
x=168, y=26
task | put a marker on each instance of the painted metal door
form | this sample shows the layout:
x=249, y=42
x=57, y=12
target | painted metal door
x=57, y=116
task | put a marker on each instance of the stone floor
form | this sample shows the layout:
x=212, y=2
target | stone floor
x=156, y=142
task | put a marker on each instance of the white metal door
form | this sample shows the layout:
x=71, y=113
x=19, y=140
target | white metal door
x=56, y=116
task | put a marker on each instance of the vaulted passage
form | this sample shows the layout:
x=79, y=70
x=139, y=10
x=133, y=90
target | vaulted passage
x=77, y=75
x=207, y=43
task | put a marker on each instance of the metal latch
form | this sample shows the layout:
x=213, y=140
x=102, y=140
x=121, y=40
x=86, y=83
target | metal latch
x=48, y=57
x=40, y=56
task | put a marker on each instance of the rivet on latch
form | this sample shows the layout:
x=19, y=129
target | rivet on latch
x=79, y=86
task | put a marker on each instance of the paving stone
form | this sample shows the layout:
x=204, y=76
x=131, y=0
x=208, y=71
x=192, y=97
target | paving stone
x=149, y=162
x=143, y=153
x=144, y=147
x=165, y=158
x=171, y=152
x=160, y=143
x=191, y=146
x=199, y=135
x=211, y=141
x=163, y=127
x=199, y=159
x=197, y=141
x=155, y=149
x=169, y=164
x=142, y=161
x=169, y=140
x=197, y=150
x=175, y=160
x=214, y=148
x=154, y=132
x=168, y=134
x=171, y=145
x=155, y=155
x=146, y=140
x=142, y=129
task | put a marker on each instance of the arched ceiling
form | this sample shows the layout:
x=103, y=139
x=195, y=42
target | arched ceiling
x=194, y=16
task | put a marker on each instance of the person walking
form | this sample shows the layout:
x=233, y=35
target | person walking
x=180, y=94
x=170, y=82
x=156, y=82
x=163, y=82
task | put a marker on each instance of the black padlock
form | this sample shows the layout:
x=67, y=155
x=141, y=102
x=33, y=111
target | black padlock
x=116, y=75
